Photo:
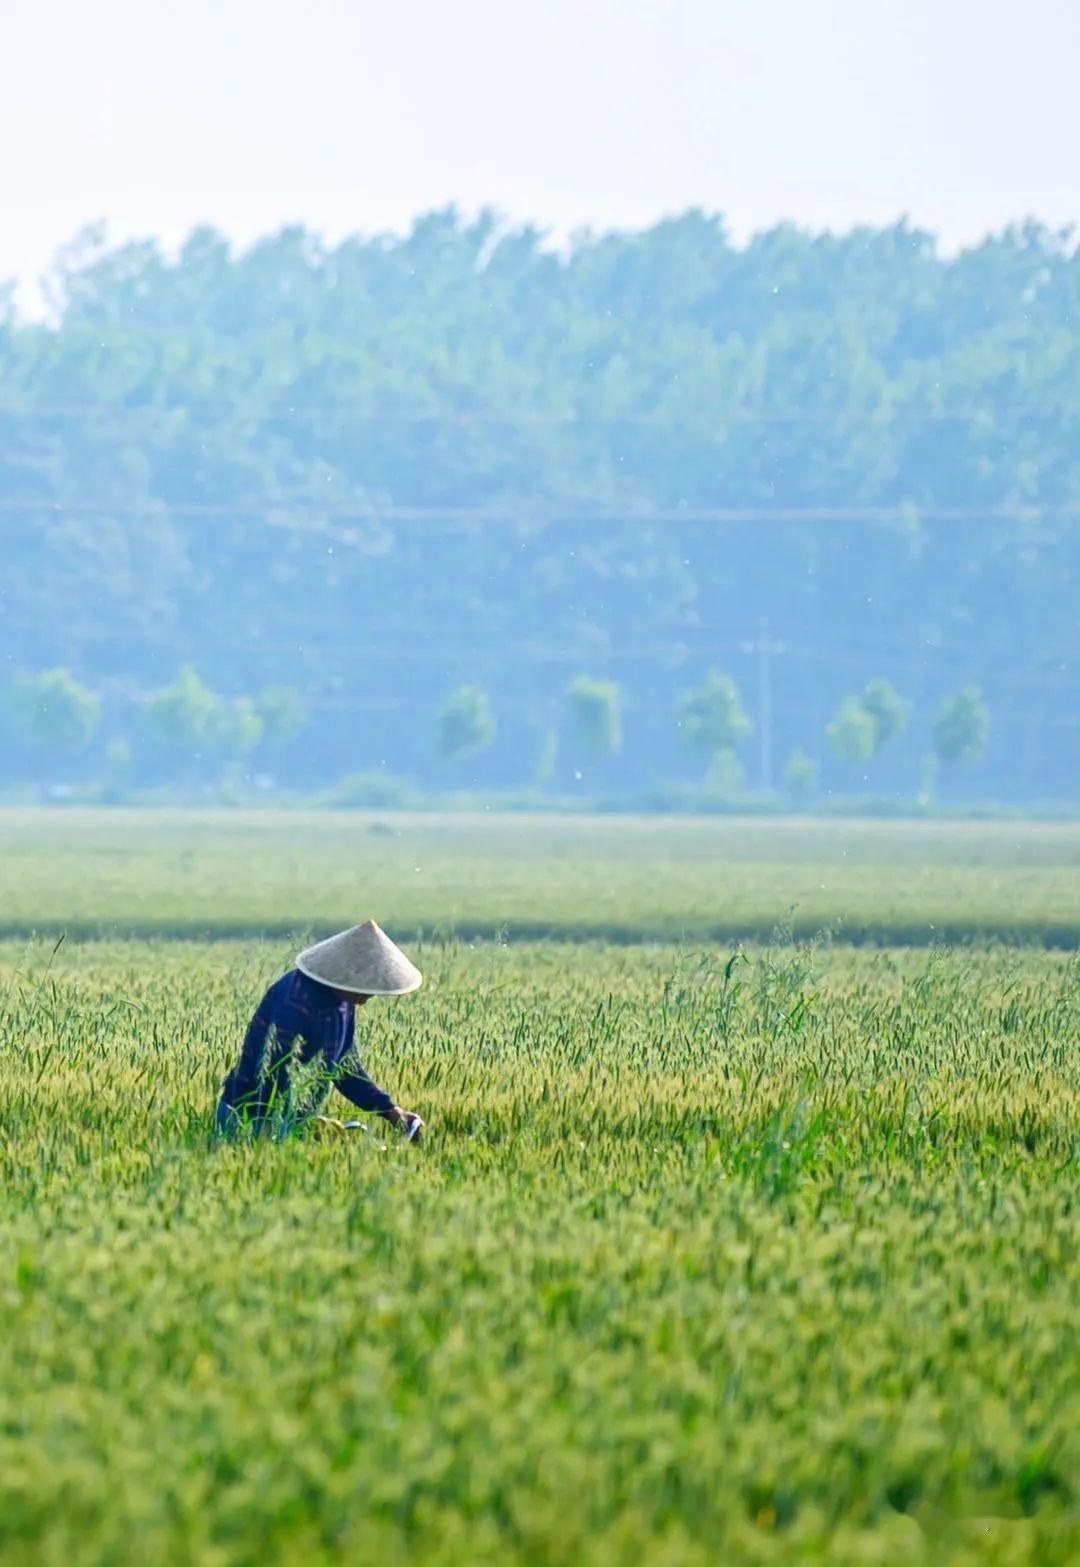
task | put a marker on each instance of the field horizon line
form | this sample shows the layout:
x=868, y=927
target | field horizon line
x=1051, y=936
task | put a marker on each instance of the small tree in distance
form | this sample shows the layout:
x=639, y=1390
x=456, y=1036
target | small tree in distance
x=185, y=716
x=888, y=710
x=53, y=711
x=959, y=735
x=711, y=719
x=961, y=728
x=852, y=735
x=465, y=723
x=864, y=725
x=595, y=708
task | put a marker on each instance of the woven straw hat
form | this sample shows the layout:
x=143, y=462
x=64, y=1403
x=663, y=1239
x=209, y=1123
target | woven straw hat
x=363, y=960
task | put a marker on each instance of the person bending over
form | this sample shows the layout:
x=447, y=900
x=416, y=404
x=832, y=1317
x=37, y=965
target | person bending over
x=302, y=1038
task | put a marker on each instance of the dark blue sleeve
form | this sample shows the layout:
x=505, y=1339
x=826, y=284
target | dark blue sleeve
x=352, y=1081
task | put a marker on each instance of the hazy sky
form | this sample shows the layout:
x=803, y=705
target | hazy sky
x=349, y=115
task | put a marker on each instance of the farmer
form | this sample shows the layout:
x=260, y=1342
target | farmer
x=301, y=1038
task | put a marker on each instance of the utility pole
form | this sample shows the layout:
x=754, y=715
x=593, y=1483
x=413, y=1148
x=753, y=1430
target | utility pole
x=765, y=649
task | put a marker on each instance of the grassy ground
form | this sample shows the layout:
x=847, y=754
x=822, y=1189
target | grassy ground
x=772, y=1263
x=623, y=880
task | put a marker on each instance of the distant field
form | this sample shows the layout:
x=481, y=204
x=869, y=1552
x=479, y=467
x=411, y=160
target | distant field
x=768, y=1266
x=222, y=873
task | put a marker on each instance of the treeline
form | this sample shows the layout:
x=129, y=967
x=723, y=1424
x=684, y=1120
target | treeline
x=190, y=738
x=377, y=472
x=467, y=365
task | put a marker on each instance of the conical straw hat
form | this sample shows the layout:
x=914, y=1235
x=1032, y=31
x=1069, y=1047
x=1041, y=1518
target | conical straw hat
x=363, y=960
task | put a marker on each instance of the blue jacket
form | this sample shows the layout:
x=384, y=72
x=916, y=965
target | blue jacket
x=297, y=1044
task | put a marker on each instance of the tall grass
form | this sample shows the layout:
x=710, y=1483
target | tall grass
x=761, y=1258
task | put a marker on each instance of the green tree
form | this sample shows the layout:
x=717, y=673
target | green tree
x=186, y=716
x=52, y=711
x=712, y=721
x=888, y=710
x=465, y=723
x=595, y=709
x=961, y=728
x=852, y=735
x=800, y=777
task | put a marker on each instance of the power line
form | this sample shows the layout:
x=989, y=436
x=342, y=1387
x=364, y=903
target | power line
x=718, y=418
x=284, y=513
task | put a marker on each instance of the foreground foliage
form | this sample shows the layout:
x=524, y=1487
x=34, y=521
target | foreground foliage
x=757, y=1260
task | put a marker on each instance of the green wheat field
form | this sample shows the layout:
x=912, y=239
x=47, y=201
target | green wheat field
x=719, y=1250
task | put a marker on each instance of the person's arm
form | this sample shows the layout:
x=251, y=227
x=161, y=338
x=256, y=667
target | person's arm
x=351, y=1080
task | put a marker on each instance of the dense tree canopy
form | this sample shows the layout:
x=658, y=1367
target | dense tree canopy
x=371, y=473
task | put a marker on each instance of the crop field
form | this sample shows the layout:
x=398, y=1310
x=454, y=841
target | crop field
x=672, y=879
x=714, y=1253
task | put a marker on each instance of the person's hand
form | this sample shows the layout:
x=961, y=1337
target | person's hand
x=407, y=1122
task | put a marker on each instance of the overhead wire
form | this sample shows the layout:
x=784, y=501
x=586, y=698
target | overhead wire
x=281, y=512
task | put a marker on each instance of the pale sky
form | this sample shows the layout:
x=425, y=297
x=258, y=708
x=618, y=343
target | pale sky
x=349, y=115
